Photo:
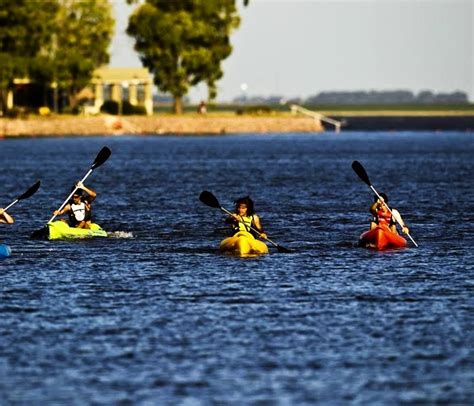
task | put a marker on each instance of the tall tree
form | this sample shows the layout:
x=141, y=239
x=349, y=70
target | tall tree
x=184, y=42
x=79, y=44
x=25, y=28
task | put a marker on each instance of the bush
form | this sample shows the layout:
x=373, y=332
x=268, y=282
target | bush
x=17, y=112
x=110, y=107
x=75, y=110
x=127, y=109
x=254, y=110
x=258, y=110
x=139, y=110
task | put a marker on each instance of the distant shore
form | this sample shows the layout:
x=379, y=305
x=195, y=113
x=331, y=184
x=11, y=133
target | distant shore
x=227, y=123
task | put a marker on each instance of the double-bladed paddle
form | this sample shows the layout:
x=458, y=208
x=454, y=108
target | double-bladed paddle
x=30, y=192
x=210, y=200
x=361, y=172
x=101, y=157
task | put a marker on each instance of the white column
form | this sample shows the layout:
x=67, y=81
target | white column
x=148, y=99
x=132, y=94
x=9, y=100
x=116, y=92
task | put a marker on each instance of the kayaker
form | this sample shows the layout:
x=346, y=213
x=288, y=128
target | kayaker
x=5, y=218
x=382, y=216
x=79, y=209
x=245, y=217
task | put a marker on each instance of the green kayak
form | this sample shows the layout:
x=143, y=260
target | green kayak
x=59, y=230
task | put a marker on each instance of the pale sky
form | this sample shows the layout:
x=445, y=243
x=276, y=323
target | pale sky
x=298, y=48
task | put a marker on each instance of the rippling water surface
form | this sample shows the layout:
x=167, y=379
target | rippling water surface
x=156, y=315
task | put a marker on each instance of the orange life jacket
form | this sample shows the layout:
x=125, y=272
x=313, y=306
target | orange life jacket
x=384, y=217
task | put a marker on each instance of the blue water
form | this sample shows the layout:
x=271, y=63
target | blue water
x=156, y=315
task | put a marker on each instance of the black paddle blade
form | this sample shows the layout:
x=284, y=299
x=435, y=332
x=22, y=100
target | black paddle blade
x=209, y=199
x=30, y=192
x=41, y=234
x=283, y=249
x=359, y=169
x=101, y=157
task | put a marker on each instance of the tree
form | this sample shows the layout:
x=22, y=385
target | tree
x=184, y=42
x=79, y=45
x=24, y=29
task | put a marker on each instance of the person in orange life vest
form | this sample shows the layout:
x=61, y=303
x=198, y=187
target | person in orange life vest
x=245, y=217
x=79, y=208
x=5, y=218
x=382, y=216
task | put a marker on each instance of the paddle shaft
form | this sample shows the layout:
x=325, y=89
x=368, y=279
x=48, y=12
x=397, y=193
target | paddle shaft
x=30, y=192
x=11, y=204
x=70, y=195
x=391, y=212
x=252, y=228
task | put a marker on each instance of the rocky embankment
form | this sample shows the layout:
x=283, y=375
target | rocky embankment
x=166, y=124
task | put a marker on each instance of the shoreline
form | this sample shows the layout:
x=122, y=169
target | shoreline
x=221, y=124
x=155, y=125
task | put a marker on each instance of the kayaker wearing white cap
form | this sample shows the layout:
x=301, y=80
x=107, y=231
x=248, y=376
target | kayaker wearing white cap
x=79, y=209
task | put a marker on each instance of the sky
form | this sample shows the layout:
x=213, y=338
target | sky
x=299, y=48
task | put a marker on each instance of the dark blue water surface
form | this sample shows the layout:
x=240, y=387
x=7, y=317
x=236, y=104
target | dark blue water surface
x=156, y=315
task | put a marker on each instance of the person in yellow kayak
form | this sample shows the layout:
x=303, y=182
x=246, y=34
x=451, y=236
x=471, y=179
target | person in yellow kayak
x=382, y=216
x=245, y=217
x=79, y=209
x=5, y=218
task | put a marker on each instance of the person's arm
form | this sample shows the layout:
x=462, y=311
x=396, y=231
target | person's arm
x=7, y=219
x=232, y=219
x=63, y=211
x=398, y=218
x=92, y=194
x=258, y=226
x=375, y=206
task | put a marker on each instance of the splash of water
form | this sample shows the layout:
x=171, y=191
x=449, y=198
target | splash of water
x=120, y=234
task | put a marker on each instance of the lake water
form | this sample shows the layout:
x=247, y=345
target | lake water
x=156, y=315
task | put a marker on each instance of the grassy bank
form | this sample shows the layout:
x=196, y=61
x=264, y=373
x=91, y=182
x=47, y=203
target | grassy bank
x=349, y=109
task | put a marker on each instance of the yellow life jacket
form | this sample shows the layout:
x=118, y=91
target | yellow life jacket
x=244, y=224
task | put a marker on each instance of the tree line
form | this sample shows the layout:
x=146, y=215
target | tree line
x=381, y=97
x=388, y=97
x=59, y=43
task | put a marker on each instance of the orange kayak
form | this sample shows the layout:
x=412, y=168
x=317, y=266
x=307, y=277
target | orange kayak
x=381, y=238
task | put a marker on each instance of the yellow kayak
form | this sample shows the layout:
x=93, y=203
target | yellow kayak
x=60, y=230
x=243, y=244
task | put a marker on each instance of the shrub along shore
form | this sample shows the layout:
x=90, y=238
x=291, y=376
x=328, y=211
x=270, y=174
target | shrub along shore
x=155, y=125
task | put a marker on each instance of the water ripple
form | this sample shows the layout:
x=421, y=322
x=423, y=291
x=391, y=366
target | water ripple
x=156, y=315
